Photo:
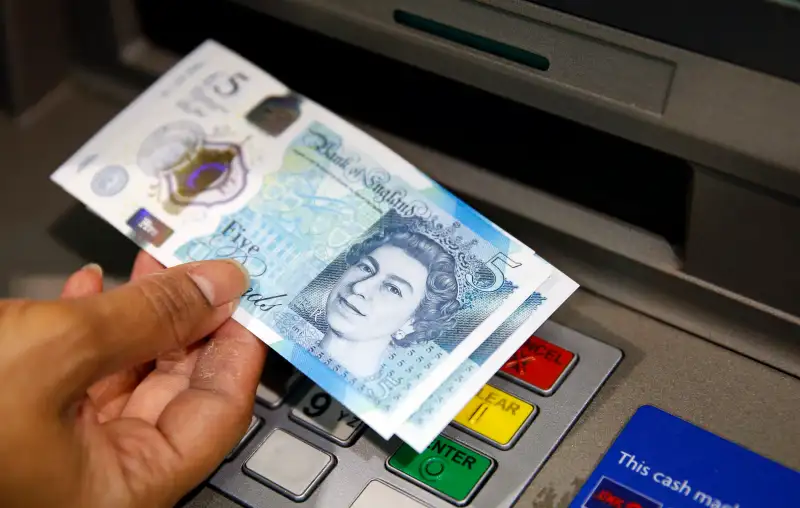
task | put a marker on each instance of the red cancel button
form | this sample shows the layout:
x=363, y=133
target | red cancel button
x=539, y=365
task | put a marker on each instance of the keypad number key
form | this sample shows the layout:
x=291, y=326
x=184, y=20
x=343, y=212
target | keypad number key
x=378, y=493
x=323, y=414
x=295, y=478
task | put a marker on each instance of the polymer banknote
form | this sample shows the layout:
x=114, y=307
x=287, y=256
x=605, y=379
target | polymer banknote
x=452, y=395
x=373, y=280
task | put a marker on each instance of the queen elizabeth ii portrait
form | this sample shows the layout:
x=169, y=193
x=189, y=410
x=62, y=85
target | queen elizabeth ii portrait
x=399, y=289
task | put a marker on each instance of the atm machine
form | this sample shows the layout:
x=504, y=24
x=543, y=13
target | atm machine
x=649, y=150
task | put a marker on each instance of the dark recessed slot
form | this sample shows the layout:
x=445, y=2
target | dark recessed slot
x=635, y=184
x=471, y=40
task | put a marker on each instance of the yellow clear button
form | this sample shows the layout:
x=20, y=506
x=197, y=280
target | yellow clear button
x=496, y=417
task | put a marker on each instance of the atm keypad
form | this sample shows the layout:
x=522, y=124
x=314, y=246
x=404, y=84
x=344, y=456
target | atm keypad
x=304, y=448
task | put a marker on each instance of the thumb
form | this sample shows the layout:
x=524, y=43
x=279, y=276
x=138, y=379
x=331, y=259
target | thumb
x=159, y=312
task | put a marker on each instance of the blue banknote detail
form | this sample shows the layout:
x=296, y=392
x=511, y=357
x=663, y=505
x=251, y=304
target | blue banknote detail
x=461, y=211
x=476, y=359
x=371, y=283
x=340, y=304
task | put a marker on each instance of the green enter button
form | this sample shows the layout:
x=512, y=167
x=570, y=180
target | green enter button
x=446, y=467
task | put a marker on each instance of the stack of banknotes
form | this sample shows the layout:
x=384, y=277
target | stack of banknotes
x=378, y=284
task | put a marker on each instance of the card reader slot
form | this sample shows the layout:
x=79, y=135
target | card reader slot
x=578, y=62
x=472, y=40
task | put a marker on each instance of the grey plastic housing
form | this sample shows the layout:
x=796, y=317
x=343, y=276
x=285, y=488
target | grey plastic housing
x=735, y=120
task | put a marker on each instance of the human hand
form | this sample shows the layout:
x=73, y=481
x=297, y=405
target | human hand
x=116, y=399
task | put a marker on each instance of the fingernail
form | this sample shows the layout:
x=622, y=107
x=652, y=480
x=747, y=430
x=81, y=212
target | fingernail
x=94, y=267
x=241, y=269
x=221, y=281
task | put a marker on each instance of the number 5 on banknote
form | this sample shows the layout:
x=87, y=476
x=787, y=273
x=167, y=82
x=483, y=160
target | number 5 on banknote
x=494, y=266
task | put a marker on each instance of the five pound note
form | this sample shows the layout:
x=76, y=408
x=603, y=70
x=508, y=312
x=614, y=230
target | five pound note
x=369, y=277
